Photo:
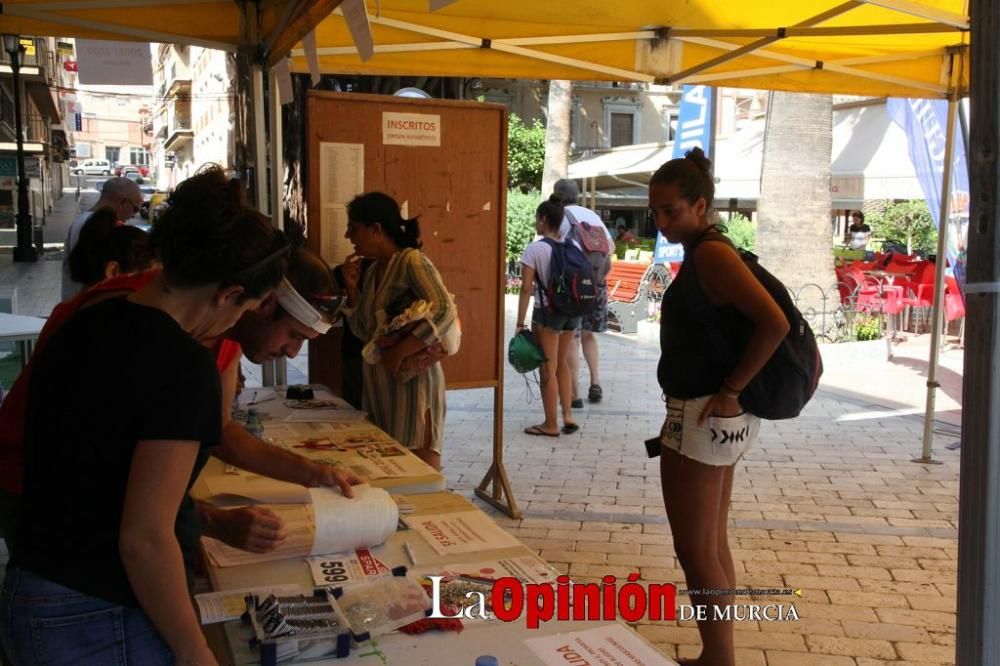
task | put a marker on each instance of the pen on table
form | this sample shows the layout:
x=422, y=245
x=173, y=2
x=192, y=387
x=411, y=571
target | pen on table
x=409, y=553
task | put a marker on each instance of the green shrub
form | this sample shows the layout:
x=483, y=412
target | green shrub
x=525, y=154
x=867, y=327
x=742, y=232
x=520, y=220
x=909, y=222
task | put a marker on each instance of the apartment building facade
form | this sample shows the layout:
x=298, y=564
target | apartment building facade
x=45, y=141
x=192, y=119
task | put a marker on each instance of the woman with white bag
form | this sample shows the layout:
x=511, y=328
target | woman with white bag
x=400, y=307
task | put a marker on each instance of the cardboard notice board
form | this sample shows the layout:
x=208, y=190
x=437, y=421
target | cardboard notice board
x=446, y=161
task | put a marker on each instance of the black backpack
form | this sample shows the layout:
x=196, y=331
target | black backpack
x=788, y=380
x=571, y=289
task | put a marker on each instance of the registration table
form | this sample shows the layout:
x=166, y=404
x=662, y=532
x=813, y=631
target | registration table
x=425, y=511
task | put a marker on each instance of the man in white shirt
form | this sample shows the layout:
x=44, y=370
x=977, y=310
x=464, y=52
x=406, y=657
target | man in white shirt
x=596, y=321
x=123, y=197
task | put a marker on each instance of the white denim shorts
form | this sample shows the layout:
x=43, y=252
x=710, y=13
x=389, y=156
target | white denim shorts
x=720, y=441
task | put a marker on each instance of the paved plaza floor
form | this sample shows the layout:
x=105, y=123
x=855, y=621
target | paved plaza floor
x=829, y=503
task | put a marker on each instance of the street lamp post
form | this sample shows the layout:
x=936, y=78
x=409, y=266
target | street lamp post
x=25, y=250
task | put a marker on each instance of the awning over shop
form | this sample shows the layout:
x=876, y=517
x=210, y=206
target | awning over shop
x=871, y=47
x=869, y=161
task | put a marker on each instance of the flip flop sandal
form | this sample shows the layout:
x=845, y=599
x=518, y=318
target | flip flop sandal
x=596, y=393
x=570, y=428
x=535, y=431
x=577, y=403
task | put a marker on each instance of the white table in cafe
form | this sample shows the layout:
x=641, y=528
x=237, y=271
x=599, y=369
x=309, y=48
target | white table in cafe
x=21, y=330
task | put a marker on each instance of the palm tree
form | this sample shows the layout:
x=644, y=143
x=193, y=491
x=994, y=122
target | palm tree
x=793, y=214
x=557, y=133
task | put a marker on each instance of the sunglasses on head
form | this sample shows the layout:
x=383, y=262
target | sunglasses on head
x=329, y=304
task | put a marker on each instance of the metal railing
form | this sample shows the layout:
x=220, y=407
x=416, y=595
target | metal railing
x=834, y=314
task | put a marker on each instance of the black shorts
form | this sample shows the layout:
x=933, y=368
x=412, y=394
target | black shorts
x=555, y=321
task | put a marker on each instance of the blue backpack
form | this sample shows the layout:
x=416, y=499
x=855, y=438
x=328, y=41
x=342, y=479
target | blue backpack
x=571, y=289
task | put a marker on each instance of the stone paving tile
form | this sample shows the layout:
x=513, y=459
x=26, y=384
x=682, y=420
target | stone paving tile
x=832, y=507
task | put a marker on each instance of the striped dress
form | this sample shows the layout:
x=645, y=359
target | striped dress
x=402, y=408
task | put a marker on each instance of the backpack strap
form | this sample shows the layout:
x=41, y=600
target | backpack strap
x=569, y=216
x=714, y=232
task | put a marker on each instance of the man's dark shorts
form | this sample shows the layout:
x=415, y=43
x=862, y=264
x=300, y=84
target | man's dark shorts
x=597, y=320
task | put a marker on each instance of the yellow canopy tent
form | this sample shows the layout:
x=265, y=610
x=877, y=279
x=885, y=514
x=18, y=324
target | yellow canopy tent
x=272, y=25
x=870, y=47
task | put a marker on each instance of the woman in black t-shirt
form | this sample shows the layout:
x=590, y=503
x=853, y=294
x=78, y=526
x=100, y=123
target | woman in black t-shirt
x=712, y=299
x=123, y=408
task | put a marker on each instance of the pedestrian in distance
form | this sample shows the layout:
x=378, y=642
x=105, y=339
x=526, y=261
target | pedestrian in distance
x=552, y=329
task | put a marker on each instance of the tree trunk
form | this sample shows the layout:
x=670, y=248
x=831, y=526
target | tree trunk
x=793, y=228
x=557, y=133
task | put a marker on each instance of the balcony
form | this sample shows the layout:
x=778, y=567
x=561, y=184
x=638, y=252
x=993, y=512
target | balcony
x=35, y=59
x=178, y=125
x=176, y=77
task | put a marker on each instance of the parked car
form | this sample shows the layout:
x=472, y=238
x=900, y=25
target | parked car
x=93, y=168
x=122, y=169
x=147, y=195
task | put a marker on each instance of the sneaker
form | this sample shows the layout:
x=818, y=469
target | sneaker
x=596, y=394
x=577, y=404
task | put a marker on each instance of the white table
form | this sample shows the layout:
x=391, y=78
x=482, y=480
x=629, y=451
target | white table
x=22, y=330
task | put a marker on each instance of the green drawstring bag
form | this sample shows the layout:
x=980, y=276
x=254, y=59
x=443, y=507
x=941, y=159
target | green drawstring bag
x=524, y=353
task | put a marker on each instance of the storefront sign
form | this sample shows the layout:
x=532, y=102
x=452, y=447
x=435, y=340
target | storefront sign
x=411, y=129
x=32, y=167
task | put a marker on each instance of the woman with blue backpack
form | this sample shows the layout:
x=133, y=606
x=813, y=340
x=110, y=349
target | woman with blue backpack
x=554, y=318
x=720, y=327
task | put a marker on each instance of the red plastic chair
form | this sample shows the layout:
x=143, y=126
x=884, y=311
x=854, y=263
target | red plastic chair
x=921, y=291
x=954, y=303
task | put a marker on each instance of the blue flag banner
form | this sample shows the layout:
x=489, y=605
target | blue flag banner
x=694, y=130
x=925, y=122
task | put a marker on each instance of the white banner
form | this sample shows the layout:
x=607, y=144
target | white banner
x=114, y=63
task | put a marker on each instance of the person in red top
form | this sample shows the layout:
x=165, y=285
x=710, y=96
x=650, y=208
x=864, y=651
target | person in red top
x=263, y=334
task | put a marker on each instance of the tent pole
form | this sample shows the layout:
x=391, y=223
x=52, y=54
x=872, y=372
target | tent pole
x=977, y=638
x=277, y=187
x=268, y=369
x=937, y=309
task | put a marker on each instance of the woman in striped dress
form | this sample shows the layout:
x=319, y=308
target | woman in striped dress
x=411, y=411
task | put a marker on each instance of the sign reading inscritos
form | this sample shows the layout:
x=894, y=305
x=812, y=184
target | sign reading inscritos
x=411, y=129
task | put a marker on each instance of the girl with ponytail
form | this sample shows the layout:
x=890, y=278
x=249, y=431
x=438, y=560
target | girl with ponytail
x=710, y=305
x=411, y=411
